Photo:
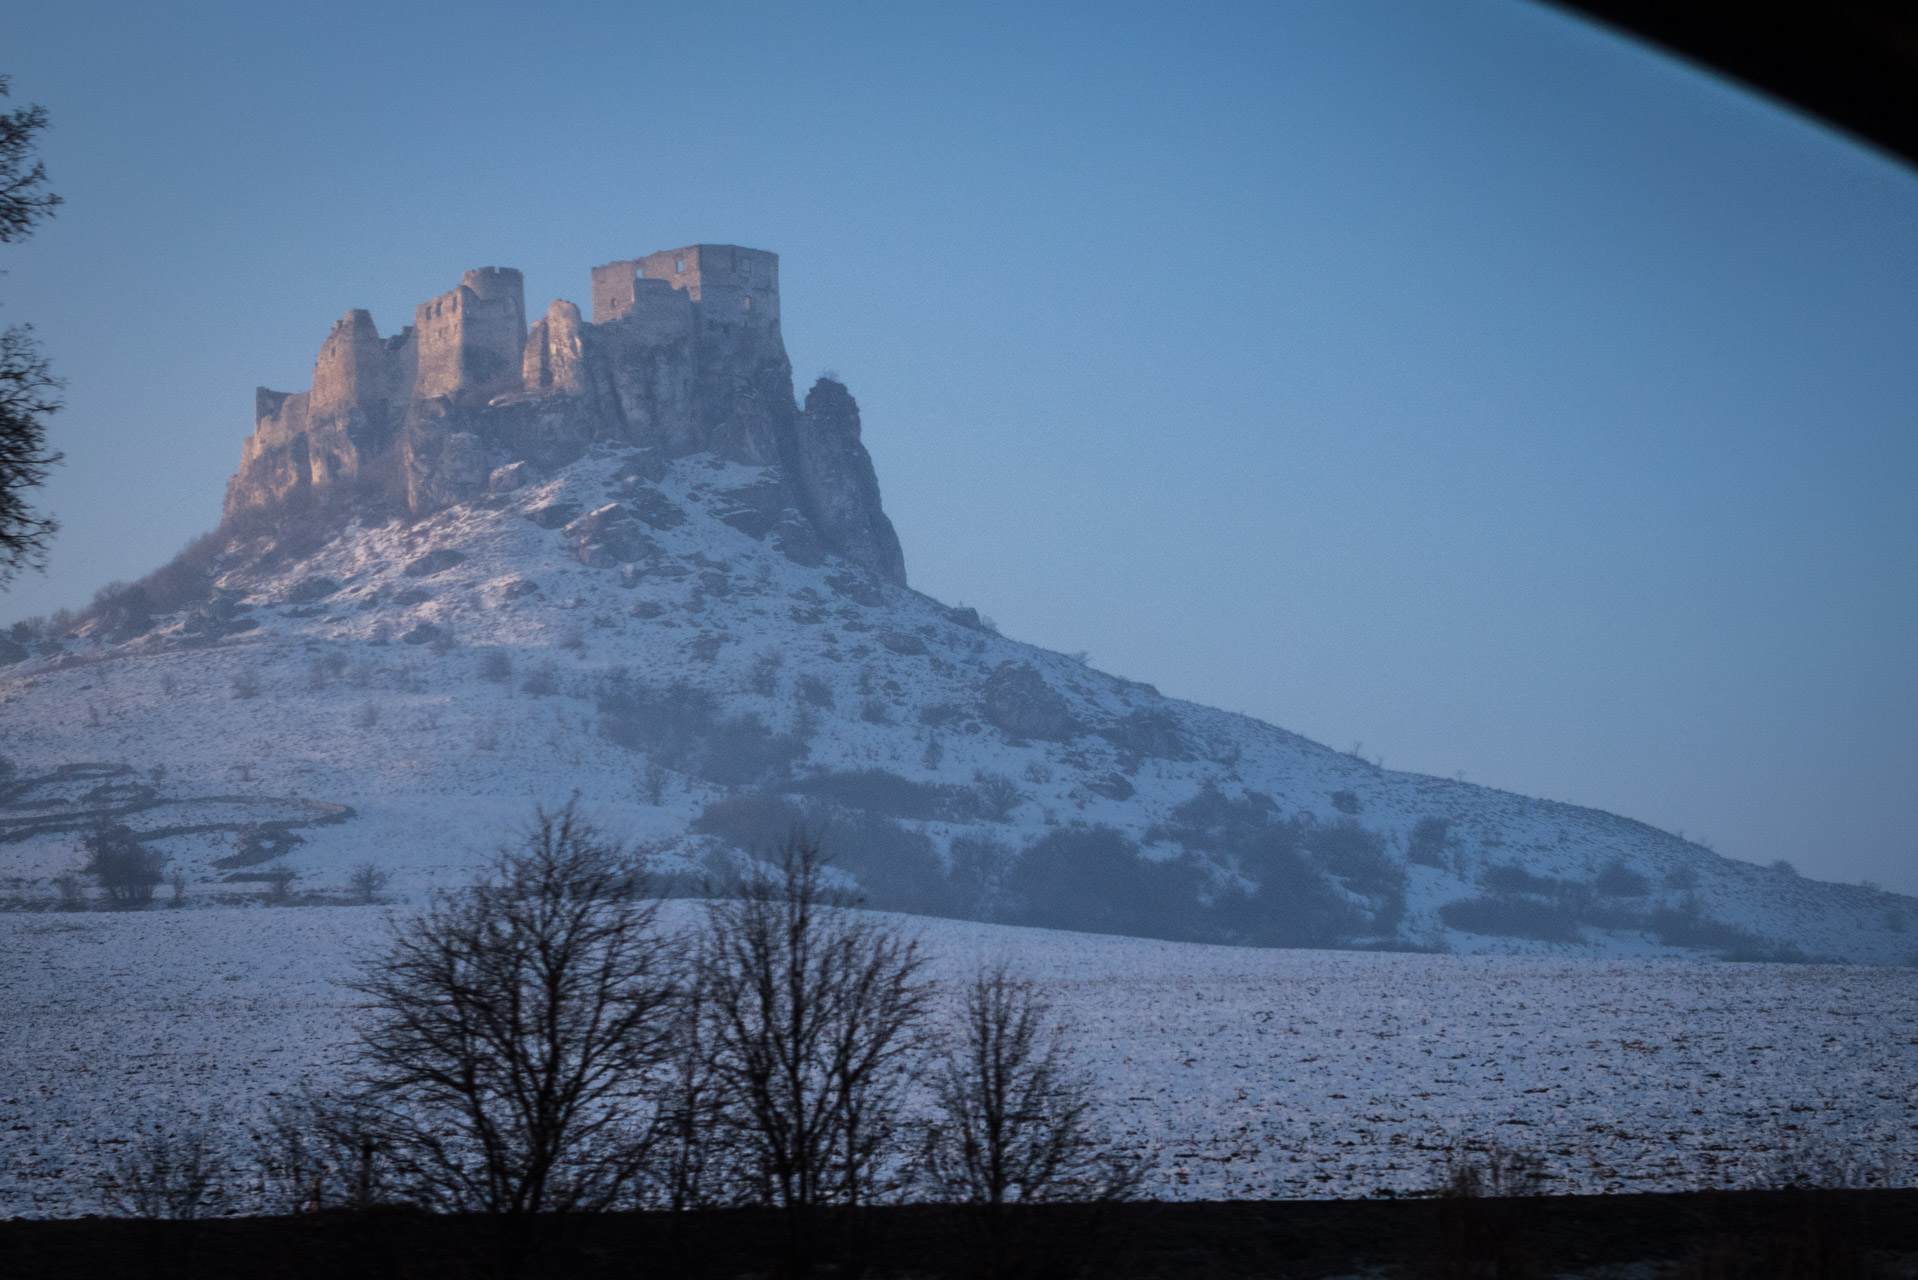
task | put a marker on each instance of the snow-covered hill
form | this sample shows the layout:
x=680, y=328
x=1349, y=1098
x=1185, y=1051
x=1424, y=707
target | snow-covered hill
x=673, y=650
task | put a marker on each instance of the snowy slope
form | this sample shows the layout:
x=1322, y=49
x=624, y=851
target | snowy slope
x=705, y=688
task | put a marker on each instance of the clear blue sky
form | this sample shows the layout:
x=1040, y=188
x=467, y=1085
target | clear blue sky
x=1452, y=378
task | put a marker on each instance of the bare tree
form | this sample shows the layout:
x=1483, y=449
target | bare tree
x=1015, y=1112
x=817, y=1013
x=165, y=1174
x=694, y=1167
x=1014, y=1123
x=367, y=880
x=512, y=1026
x=279, y=884
x=319, y=1151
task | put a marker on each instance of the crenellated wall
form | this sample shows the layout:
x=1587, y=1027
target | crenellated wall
x=683, y=355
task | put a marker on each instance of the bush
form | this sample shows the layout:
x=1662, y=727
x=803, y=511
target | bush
x=245, y=683
x=279, y=884
x=1155, y=732
x=1345, y=801
x=999, y=796
x=680, y=728
x=119, y=864
x=367, y=880
x=754, y=821
x=897, y=868
x=162, y=1176
x=325, y=668
x=73, y=895
x=1690, y=929
x=1501, y=917
x=814, y=691
x=875, y=711
x=367, y=715
x=1425, y=846
x=496, y=665
x=880, y=791
x=1619, y=881
x=1093, y=880
x=1511, y=878
x=977, y=873
x=542, y=681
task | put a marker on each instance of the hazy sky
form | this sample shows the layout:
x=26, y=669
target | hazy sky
x=1452, y=378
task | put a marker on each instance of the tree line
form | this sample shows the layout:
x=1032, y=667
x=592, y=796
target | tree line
x=543, y=1044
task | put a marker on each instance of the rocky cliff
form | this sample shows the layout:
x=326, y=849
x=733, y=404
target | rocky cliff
x=684, y=355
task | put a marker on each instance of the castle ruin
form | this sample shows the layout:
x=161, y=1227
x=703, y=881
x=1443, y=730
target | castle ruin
x=683, y=355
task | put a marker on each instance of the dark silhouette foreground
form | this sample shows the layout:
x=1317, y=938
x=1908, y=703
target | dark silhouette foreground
x=1780, y=1235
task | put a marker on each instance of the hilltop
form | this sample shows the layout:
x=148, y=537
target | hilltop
x=625, y=562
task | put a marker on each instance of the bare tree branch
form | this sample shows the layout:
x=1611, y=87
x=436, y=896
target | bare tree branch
x=514, y=1030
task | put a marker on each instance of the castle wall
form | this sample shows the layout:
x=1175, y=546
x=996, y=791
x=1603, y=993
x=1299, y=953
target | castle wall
x=273, y=460
x=472, y=339
x=733, y=285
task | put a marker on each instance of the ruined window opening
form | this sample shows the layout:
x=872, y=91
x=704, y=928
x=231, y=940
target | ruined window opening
x=748, y=305
x=679, y=264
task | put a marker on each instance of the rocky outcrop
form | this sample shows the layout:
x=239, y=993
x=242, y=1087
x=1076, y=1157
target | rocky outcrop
x=1018, y=700
x=837, y=487
x=683, y=356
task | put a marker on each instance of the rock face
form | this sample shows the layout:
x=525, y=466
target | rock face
x=1018, y=700
x=683, y=355
x=837, y=488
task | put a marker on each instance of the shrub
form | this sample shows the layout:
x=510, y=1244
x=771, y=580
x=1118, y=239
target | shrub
x=884, y=792
x=367, y=716
x=542, y=681
x=1502, y=917
x=1345, y=801
x=1509, y=877
x=161, y=1175
x=764, y=679
x=1690, y=929
x=1619, y=881
x=998, y=795
x=875, y=711
x=1093, y=880
x=245, y=683
x=121, y=865
x=754, y=821
x=324, y=668
x=978, y=874
x=679, y=727
x=496, y=665
x=814, y=691
x=743, y=751
x=898, y=869
x=1426, y=844
x=1154, y=732
x=279, y=884
x=367, y=880
x=73, y=895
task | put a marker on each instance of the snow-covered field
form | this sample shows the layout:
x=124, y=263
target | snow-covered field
x=1251, y=1073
